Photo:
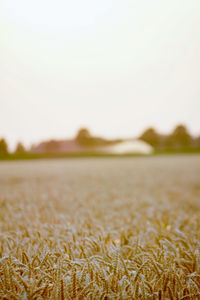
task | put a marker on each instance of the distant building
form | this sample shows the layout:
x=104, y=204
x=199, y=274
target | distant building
x=57, y=146
x=129, y=147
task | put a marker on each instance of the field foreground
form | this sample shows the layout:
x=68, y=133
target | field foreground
x=107, y=228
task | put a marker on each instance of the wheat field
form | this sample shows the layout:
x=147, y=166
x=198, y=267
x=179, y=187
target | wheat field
x=106, y=228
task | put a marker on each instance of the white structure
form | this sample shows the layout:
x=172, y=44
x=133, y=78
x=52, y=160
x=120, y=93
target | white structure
x=129, y=147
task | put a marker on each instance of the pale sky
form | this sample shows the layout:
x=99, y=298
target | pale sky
x=116, y=67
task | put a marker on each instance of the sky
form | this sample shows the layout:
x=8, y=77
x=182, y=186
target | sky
x=115, y=67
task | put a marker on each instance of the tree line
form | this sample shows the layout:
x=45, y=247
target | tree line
x=20, y=149
x=178, y=139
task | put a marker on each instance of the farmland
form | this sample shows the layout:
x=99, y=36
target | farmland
x=100, y=228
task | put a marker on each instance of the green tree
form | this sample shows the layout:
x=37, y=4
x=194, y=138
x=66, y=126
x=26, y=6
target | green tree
x=83, y=134
x=84, y=138
x=3, y=147
x=179, y=138
x=151, y=137
x=20, y=149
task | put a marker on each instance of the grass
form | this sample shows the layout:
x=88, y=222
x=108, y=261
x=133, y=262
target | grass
x=86, y=154
x=31, y=156
x=100, y=229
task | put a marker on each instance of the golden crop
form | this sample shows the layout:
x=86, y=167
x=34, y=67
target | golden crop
x=117, y=228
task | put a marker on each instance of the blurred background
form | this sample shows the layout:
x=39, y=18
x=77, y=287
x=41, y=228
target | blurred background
x=99, y=76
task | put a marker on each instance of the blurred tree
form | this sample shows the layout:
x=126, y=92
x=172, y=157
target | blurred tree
x=83, y=134
x=84, y=138
x=151, y=137
x=3, y=147
x=20, y=149
x=180, y=138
